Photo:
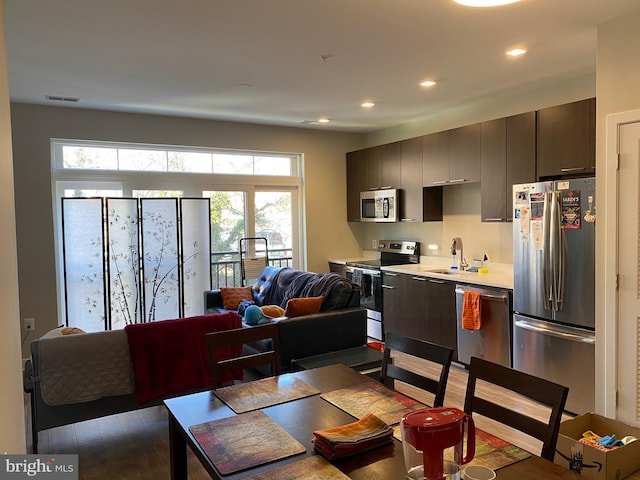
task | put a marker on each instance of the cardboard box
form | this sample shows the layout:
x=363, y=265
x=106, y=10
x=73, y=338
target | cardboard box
x=591, y=462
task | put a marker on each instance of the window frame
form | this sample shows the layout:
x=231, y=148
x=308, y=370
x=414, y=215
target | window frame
x=192, y=185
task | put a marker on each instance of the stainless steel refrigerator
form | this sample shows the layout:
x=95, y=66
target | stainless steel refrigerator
x=554, y=285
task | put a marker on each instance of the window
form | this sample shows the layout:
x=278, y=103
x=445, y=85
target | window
x=250, y=194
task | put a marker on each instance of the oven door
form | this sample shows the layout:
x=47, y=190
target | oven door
x=370, y=283
x=370, y=287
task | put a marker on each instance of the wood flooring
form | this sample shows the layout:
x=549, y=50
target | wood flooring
x=135, y=445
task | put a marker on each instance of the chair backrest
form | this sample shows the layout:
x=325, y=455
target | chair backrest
x=432, y=352
x=241, y=336
x=549, y=394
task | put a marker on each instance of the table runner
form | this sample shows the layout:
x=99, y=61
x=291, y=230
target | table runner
x=373, y=397
x=244, y=441
x=263, y=393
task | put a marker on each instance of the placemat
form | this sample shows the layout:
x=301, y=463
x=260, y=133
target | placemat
x=495, y=453
x=373, y=397
x=266, y=392
x=244, y=441
x=311, y=468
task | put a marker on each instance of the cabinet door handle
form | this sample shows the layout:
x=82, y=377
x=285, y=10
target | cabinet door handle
x=457, y=180
x=431, y=280
x=440, y=182
x=389, y=274
x=574, y=169
x=407, y=219
x=496, y=219
x=389, y=287
x=420, y=279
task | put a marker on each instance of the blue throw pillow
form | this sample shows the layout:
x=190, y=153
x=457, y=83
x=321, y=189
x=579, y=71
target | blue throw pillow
x=252, y=315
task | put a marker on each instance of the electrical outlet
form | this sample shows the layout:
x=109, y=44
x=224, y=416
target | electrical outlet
x=29, y=324
x=374, y=244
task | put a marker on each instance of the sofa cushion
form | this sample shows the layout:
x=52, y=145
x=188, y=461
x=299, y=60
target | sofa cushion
x=232, y=296
x=303, y=306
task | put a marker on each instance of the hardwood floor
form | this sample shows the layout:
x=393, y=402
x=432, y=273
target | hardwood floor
x=135, y=445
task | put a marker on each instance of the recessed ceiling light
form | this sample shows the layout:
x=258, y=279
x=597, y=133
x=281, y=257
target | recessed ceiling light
x=516, y=52
x=367, y=104
x=323, y=120
x=485, y=3
x=427, y=83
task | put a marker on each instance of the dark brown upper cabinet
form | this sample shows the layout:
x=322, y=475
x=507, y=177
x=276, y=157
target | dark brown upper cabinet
x=507, y=158
x=381, y=167
x=354, y=184
x=566, y=140
x=521, y=153
x=435, y=159
x=464, y=155
x=452, y=156
x=390, y=165
x=416, y=205
x=493, y=171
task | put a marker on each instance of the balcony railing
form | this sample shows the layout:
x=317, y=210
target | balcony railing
x=225, y=266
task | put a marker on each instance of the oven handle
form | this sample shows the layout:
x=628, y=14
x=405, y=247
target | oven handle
x=373, y=273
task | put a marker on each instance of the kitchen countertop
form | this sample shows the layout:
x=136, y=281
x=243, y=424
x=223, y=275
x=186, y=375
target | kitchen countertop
x=500, y=275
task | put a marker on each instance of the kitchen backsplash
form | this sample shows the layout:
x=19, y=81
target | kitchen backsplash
x=461, y=218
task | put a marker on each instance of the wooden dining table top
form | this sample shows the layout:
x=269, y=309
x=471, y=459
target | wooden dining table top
x=300, y=418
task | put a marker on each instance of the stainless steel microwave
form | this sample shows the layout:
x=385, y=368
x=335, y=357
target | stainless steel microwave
x=379, y=205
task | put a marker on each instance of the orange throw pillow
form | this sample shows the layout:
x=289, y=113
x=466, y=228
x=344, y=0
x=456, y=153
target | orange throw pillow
x=302, y=306
x=232, y=296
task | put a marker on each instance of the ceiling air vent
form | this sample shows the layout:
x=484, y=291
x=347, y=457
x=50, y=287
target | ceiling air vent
x=310, y=122
x=55, y=98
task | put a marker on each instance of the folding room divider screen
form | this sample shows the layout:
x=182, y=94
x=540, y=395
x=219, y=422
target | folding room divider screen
x=133, y=260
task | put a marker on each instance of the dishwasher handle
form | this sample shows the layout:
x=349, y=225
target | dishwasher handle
x=499, y=295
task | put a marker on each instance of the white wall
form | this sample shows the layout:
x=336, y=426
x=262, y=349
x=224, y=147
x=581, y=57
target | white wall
x=618, y=73
x=12, y=428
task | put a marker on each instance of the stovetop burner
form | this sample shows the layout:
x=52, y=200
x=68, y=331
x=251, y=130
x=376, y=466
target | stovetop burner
x=392, y=252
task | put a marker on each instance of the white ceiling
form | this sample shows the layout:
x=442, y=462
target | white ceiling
x=260, y=61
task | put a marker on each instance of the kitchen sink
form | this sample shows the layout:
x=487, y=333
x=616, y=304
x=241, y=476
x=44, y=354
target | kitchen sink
x=442, y=271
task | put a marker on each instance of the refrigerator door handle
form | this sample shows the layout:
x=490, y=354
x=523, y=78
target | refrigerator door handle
x=558, y=252
x=553, y=256
x=562, y=254
x=566, y=333
x=546, y=251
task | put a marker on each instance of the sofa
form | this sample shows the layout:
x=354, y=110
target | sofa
x=339, y=324
x=72, y=378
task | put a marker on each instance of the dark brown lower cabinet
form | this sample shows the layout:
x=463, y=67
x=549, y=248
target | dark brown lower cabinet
x=420, y=307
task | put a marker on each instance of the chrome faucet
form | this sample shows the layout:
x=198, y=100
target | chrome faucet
x=456, y=244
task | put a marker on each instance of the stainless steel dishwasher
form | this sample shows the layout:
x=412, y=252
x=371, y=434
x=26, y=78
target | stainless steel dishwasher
x=493, y=340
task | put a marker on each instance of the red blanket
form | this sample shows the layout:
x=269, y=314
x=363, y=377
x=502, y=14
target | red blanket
x=171, y=356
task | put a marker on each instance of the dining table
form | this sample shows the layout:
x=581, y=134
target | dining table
x=299, y=418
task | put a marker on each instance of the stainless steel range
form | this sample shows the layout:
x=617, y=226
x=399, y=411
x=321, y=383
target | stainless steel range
x=366, y=273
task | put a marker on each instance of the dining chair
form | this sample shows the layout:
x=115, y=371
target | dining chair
x=551, y=395
x=242, y=336
x=438, y=355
